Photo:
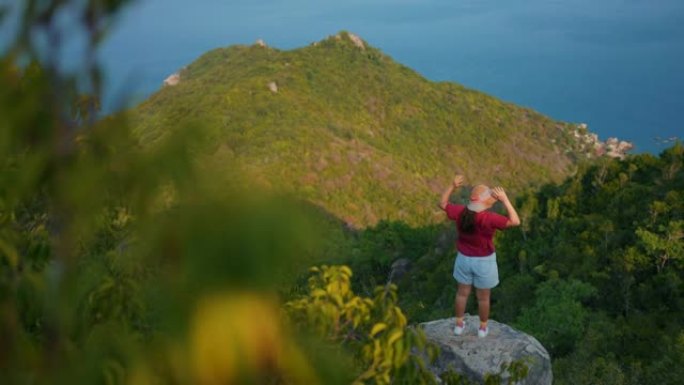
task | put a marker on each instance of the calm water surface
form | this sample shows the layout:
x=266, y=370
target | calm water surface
x=617, y=65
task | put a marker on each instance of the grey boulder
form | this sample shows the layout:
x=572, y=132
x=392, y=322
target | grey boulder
x=474, y=357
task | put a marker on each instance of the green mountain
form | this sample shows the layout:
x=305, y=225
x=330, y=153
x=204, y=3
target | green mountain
x=352, y=131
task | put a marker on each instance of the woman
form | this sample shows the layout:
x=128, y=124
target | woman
x=476, y=258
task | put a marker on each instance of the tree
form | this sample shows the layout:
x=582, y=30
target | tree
x=375, y=328
x=666, y=246
x=558, y=317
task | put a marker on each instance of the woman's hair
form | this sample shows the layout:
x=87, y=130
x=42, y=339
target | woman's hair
x=467, y=224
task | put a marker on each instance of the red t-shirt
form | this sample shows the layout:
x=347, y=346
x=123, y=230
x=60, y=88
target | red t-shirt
x=479, y=243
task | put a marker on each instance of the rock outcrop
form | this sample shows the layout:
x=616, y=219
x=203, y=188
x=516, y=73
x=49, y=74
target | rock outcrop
x=172, y=80
x=617, y=148
x=354, y=38
x=357, y=41
x=399, y=269
x=612, y=147
x=473, y=357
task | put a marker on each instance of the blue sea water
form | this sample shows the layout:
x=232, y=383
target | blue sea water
x=617, y=65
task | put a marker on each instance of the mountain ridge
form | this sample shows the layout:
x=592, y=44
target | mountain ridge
x=346, y=127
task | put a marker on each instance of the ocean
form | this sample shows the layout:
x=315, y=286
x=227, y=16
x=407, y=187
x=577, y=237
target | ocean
x=616, y=65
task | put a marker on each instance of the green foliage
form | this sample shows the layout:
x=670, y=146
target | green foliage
x=375, y=328
x=123, y=264
x=666, y=246
x=594, y=272
x=148, y=255
x=615, y=228
x=598, y=370
x=451, y=377
x=352, y=131
x=516, y=370
x=557, y=318
x=509, y=373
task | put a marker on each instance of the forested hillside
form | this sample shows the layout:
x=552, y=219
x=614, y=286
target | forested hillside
x=606, y=253
x=347, y=128
x=186, y=245
x=596, y=271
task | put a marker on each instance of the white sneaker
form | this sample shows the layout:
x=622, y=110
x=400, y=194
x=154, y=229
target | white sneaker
x=458, y=330
x=482, y=333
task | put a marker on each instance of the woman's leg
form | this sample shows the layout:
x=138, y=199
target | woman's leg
x=483, y=303
x=462, y=299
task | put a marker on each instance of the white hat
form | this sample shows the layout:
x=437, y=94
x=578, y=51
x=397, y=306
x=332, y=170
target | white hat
x=480, y=198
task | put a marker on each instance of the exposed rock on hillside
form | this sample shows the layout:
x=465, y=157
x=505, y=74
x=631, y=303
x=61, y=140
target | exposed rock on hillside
x=357, y=41
x=474, y=357
x=354, y=38
x=172, y=80
x=612, y=147
x=617, y=149
x=399, y=269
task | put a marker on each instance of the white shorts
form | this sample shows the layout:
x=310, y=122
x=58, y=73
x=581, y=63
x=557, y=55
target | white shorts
x=481, y=272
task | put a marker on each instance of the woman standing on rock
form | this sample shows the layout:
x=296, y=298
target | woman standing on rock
x=476, y=258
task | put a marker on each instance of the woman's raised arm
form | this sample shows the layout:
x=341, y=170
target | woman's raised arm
x=500, y=194
x=458, y=182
